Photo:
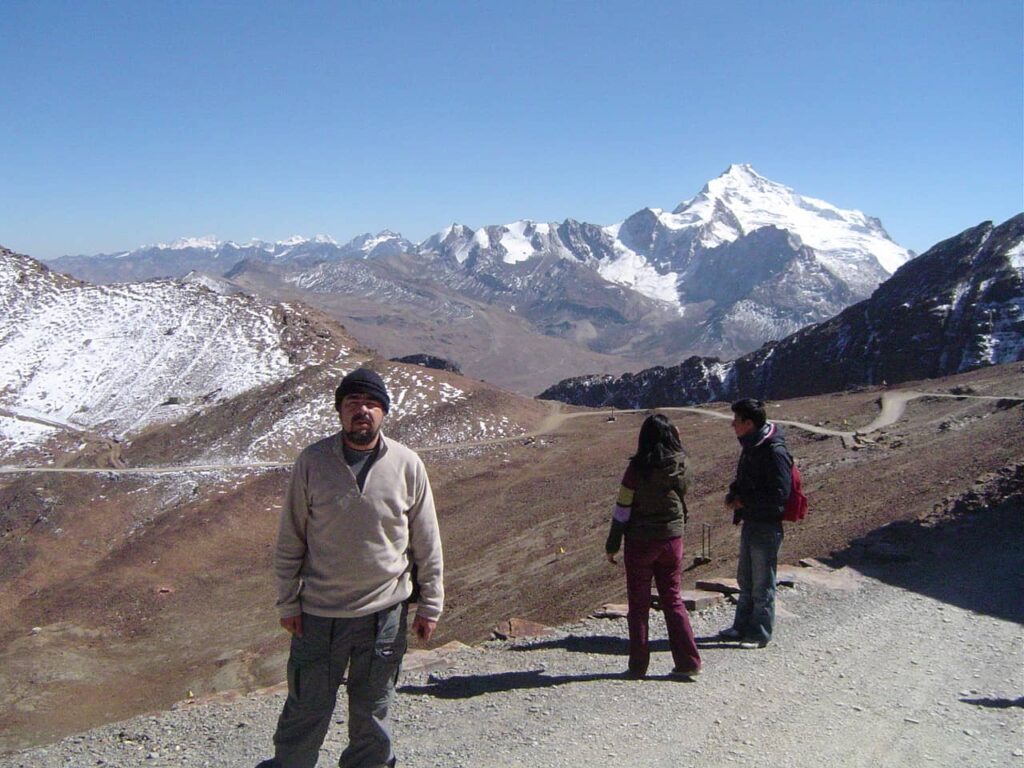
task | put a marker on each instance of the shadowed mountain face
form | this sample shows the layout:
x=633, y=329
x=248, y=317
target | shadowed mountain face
x=744, y=261
x=957, y=307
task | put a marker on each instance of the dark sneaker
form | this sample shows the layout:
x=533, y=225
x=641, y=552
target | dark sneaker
x=271, y=763
x=685, y=674
x=730, y=634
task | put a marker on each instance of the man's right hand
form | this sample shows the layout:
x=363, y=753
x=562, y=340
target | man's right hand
x=293, y=624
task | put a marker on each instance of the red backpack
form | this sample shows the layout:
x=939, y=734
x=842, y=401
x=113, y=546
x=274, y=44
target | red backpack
x=795, y=508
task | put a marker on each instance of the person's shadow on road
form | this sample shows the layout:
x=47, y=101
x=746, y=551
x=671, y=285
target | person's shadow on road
x=468, y=686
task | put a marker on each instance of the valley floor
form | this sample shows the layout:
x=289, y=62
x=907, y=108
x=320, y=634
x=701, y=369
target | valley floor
x=914, y=658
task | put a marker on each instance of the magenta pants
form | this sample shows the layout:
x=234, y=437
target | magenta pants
x=661, y=560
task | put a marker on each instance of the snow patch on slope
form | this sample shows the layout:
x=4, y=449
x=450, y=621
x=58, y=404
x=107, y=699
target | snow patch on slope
x=117, y=358
x=1016, y=256
x=632, y=270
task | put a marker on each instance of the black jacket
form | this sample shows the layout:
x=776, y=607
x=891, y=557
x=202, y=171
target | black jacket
x=763, y=475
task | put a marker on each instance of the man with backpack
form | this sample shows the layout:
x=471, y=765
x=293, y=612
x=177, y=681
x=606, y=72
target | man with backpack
x=757, y=497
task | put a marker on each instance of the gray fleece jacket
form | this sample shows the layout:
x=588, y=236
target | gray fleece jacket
x=342, y=552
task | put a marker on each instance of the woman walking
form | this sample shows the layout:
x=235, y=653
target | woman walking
x=650, y=512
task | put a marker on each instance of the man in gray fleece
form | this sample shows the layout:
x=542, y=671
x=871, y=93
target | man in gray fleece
x=358, y=516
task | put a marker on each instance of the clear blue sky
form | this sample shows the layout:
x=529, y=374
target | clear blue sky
x=125, y=123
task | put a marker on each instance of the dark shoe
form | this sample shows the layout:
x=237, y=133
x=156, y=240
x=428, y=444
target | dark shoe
x=750, y=643
x=684, y=674
x=730, y=634
x=629, y=674
x=271, y=763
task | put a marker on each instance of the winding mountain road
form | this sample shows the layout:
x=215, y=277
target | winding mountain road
x=893, y=406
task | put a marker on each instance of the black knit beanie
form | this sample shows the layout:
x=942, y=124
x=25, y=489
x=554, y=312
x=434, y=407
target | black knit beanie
x=362, y=381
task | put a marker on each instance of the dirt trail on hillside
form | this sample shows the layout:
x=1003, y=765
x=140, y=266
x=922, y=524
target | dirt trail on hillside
x=893, y=406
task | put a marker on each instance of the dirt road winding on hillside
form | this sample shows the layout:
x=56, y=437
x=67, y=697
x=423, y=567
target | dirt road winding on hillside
x=892, y=406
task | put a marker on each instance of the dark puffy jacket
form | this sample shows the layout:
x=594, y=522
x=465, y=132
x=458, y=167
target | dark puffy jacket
x=655, y=500
x=763, y=475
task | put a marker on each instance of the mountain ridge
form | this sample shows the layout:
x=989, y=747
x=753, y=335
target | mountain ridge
x=744, y=261
x=957, y=307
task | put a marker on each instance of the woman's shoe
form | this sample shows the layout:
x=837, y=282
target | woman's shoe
x=685, y=674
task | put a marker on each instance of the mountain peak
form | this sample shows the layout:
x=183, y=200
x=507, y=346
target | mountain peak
x=205, y=243
x=741, y=179
x=741, y=171
x=741, y=200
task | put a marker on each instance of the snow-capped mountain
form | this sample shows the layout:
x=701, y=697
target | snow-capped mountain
x=744, y=261
x=957, y=307
x=656, y=252
x=740, y=201
x=751, y=259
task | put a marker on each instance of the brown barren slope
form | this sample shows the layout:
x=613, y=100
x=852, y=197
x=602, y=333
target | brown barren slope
x=110, y=609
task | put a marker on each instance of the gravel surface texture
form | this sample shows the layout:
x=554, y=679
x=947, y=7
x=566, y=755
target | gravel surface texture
x=915, y=658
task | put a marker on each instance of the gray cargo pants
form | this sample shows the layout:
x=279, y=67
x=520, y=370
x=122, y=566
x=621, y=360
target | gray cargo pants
x=371, y=648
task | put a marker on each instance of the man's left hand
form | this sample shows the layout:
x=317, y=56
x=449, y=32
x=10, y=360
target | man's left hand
x=423, y=628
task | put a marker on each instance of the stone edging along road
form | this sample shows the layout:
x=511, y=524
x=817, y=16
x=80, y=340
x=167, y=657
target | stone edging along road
x=893, y=405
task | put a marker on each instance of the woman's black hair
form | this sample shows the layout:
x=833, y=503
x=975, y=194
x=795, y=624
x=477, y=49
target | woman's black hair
x=657, y=443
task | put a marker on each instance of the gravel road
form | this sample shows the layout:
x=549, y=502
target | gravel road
x=914, y=658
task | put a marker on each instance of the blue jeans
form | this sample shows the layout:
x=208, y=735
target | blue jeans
x=756, y=574
x=370, y=649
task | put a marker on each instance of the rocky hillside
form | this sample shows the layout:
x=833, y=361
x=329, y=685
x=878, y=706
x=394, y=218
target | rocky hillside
x=243, y=378
x=117, y=359
x=957, y=307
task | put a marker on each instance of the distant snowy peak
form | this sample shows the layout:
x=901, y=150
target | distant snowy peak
x=507, y=243
x=957, y=307
x=384, y=243
x=524, y=239
x=206, y=243
x=198, y=252
x=653, y=249
x=741, y=201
